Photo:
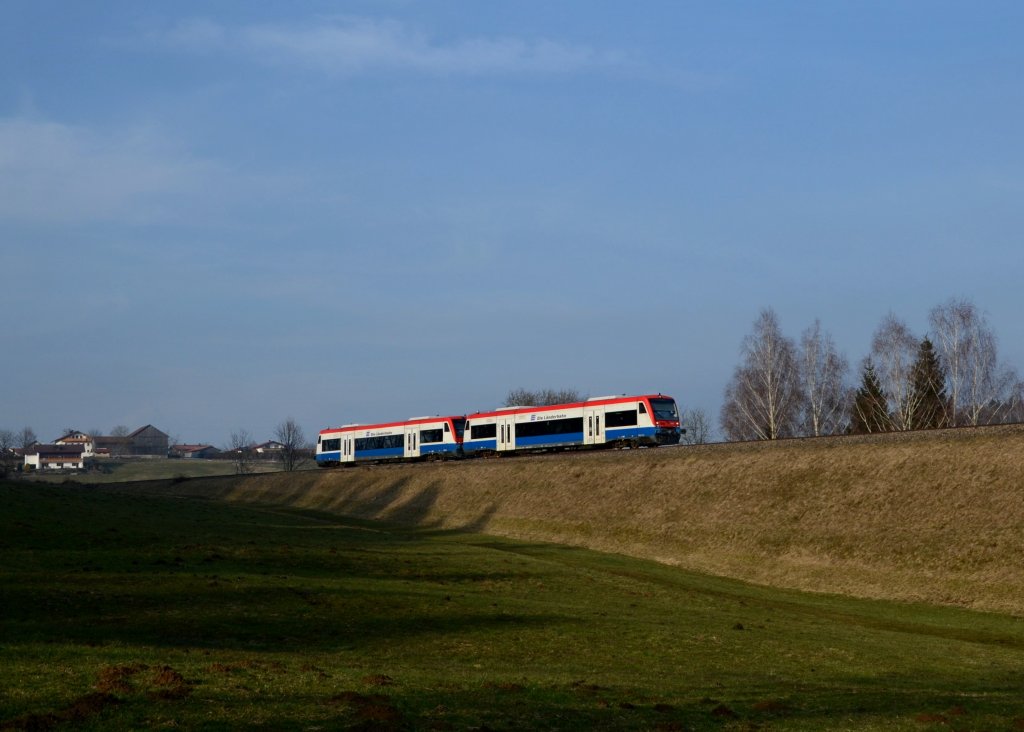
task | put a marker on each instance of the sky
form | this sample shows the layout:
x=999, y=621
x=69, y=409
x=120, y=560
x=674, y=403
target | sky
x=218, y=215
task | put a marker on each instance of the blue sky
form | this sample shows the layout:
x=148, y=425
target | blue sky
x=215, y=216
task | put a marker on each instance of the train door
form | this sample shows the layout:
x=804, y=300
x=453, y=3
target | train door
x=593, y=426
x=348, y=449
x=506, y=433
x=412, y=442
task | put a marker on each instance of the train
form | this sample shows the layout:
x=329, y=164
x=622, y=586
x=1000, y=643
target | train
x=646, y=420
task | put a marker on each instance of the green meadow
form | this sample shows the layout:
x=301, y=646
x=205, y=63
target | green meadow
x=141, y=611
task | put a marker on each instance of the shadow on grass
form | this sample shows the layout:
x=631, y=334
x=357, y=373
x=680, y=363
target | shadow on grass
x=385, y=497
x=280, y=618
x=96, y=568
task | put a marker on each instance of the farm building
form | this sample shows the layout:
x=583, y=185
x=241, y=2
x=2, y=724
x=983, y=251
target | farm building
x=147, y=441
x=193, y=451
x=55, y=457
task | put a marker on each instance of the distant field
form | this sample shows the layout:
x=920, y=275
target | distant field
x=114, y=470
x=135, y=611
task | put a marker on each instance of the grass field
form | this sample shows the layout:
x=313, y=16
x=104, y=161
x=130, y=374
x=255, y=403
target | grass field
x=933, y=517
x=136, y=611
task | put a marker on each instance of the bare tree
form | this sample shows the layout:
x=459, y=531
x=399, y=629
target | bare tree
x=697, y=425
x=893, y=351
x=762, y=401
x=822, y=382
x=240, y=447
x=8, y=458
x=541, y=397
x=952, y=323
x=986, y=381
x=1001, y=394
x=979, y=388
x=1012, y=410
x=26, y=438
x=293, y=444
x=119, y=445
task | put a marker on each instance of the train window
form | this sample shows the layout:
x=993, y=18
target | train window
x=479, y=431
x=550, y=427
x=626, y=418
x=446, y=428
x=330, y=445
x=428, y=436
x=379, y=443
x=643, y=409
x=665, y=409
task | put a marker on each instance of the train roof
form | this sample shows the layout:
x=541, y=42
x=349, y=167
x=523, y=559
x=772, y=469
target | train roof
x=591, y=402
x=384, y=425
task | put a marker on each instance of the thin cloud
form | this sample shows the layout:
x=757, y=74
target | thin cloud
x=54, y=172
x=57, y=173
x=349, y=46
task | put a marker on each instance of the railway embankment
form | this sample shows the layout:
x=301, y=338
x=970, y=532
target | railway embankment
x=934, y=517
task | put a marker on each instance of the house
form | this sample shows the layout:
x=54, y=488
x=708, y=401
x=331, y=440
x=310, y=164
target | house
x=78, y=438
x=55, y=457
x=193, y=452
x=271, y=448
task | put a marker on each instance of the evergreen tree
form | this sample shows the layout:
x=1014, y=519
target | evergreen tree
x=929, y=404
x=868, y=413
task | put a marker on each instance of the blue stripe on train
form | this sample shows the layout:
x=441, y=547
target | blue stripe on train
x=391, y=452
x=572, y=438
x=329, y=457
x=384, y=452
x=630, y=433
x=569, y=438
x=480, y=445
x=439, y=447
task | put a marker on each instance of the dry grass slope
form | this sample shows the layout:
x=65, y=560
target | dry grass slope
x=934, y=517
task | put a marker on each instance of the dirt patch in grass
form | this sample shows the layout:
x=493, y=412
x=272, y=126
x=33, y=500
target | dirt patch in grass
x=724, y=712
x=372, y=711
x=773, y=706
x=80, y=710
x=378, y=680
x=117, y=679
x=503, y=686
x=168, y=684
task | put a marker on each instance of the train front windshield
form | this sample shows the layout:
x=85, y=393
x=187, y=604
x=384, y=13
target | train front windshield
x=665, y=409
x=460, y=427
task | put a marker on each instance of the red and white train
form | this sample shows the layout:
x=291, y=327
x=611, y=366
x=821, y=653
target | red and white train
x=650, y=419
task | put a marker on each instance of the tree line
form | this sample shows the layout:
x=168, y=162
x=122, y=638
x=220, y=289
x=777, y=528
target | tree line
x=950, y=377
